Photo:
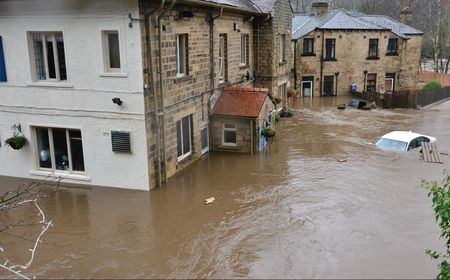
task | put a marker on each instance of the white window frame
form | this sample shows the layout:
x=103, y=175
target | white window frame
x=46, y=36
x=188, y=153
x=206, y=149
x=244, y=49
x=282, y=48
x=52, y=151
x=222, y=58
x=181, y=46
x=224, y=129
x=105, y=43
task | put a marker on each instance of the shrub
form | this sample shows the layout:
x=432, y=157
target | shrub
x=440, y=195
x=432, y=85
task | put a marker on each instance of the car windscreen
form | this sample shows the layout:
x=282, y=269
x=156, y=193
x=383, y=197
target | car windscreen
x=391, y=144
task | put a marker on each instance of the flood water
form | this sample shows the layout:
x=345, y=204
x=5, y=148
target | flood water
x=293, y=211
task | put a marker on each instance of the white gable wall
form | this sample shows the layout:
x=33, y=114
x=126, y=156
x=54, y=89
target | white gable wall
x=84, y=100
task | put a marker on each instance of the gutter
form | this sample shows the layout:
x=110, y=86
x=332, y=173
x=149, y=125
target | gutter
x=321, y=63
x=215, y=5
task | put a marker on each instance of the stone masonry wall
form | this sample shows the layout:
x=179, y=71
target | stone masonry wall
x=270, y=72
x=189, y=95
x=352, y=48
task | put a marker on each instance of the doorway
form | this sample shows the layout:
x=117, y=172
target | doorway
x=328, y=86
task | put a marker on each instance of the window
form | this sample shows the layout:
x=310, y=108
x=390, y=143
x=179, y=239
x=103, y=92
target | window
x=229, y=134
x=330, y=49
x=282, y=48
x=244, y=50
x=111, y=51
x=184, y=137
x=205, y=139
x=392, y=46
x=308, y=46
x=223, y=63
x=2, y=63
x=373, y=48
x=59, y=149
x=371, y=82
x=182, y=55
x=48, y=56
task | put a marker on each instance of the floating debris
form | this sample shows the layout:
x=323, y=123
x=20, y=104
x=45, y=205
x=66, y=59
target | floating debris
x=210, y=200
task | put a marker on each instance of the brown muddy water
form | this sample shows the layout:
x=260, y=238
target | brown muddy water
x=292, y=211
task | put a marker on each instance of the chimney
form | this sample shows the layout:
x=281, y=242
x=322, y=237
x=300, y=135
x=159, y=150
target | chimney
x=319, y=7
x=406, y=15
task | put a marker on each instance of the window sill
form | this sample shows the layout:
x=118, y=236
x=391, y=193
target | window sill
x=185, y=159
x=243, y=66
x=392, y=54
x=113, y=74
x=60, y=174
x=308, y=54
x=282, y=62
x=373, y=58
x=50, y=84
x=226, y=147
x=182, y=78
x=329, y=59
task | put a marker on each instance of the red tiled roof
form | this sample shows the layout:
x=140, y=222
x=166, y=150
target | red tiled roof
x=240, y=102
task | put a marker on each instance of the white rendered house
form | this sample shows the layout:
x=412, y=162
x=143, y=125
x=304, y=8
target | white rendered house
x=62, y=63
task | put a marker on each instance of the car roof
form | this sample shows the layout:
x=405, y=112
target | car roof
x=404, y=136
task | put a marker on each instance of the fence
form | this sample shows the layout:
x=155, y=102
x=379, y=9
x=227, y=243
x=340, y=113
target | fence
x=404, y=99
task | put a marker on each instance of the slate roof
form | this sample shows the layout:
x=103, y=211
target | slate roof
x=240, y=102
x=344, y=20
x=261, y=6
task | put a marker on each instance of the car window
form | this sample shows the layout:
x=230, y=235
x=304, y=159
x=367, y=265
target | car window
x=415, y=143
x=391, y=144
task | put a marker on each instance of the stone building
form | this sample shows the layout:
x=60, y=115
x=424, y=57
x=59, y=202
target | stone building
x=336, y=48
x=191, y=51
x=238, y=118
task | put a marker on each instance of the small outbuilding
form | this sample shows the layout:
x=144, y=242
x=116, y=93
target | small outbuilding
x=238, y=118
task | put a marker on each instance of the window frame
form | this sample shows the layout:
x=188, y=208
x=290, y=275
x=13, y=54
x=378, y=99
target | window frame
x=244, y=50
x=308, y=46
x=52, y=150
x=391, y=51
x=106, y=51
x=223, y=58
x=227, y=129
x=282, y=48
x=44, y=37
x=370, y=85
x=190, y=130
x=205, y=149
x=182, y=62
x=330, y=49
x=373, y=48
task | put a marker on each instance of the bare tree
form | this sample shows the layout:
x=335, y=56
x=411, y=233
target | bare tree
x=26, y=195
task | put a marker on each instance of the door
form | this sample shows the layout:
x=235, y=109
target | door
x=328, y=85
x=389, y=82
x=307, y=88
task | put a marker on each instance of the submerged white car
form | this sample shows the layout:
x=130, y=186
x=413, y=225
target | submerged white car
x=402, y=140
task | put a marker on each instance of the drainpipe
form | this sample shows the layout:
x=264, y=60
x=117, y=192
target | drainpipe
x=251, y=136
x=321, y=64
x=161, y=90
x=149, y=51
x=211, y=49
x=295, y=64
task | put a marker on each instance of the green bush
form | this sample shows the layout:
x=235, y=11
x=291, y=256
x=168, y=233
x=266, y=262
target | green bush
x=433, y=85
x=440, y=195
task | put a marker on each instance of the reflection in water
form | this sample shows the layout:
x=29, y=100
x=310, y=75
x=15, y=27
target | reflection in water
x=292, y=211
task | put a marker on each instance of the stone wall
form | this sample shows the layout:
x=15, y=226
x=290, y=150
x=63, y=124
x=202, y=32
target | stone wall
x=243, y=134
x=352, y=48
x=190, y=95
x=270, y=72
